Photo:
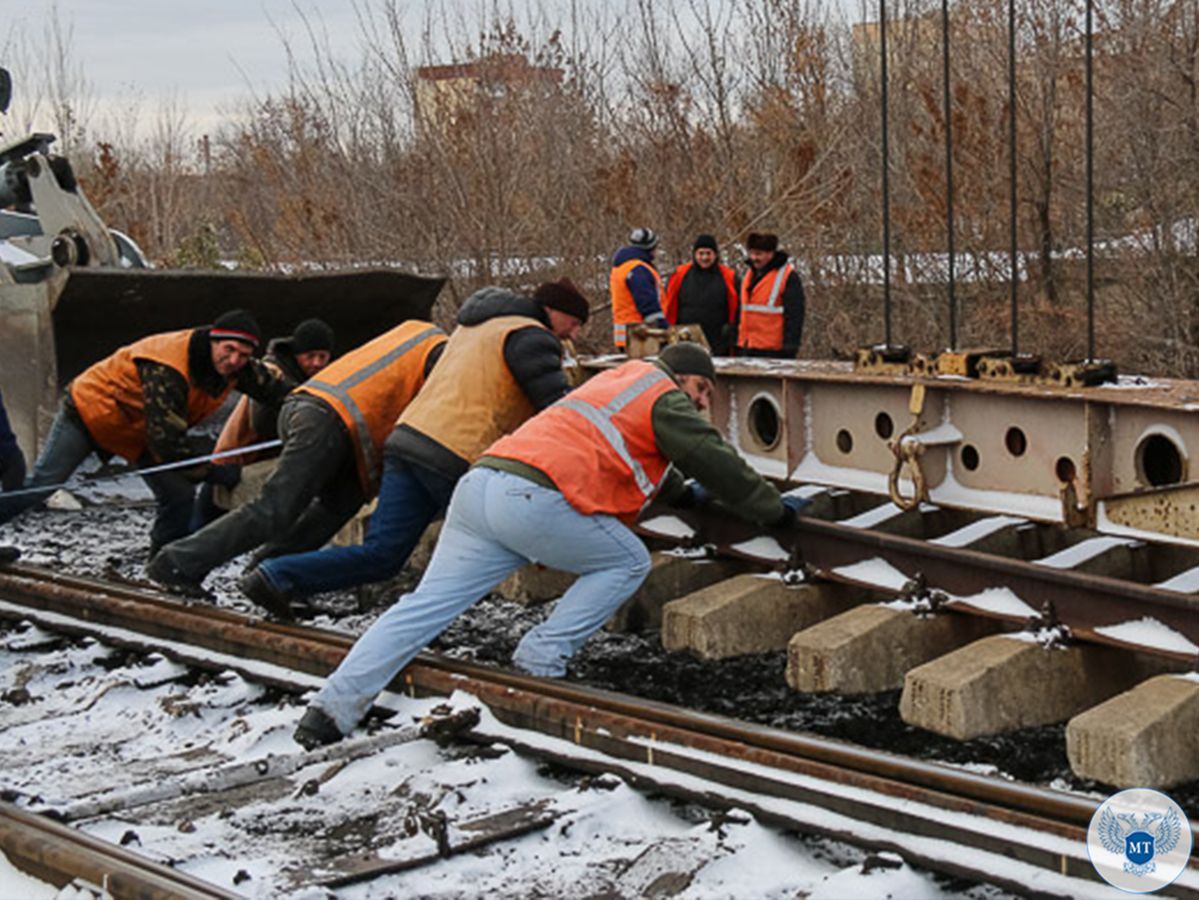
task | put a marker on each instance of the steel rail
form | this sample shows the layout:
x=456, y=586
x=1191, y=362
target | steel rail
x=56, y=853
x=318, y=651
x=743, y=757
x=1082, y=601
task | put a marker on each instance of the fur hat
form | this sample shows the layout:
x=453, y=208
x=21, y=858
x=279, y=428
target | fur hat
x=705, y=242
x=643, y=238
x=686, y=358
x=563, y=296
x=311, y=334
x=762, y=241
x=236, y=325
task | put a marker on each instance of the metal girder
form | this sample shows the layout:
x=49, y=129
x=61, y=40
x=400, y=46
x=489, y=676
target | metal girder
x=1046, y=452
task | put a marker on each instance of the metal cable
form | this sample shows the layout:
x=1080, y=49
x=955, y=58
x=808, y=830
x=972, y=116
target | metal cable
x=882, y=40
x=953, y=311
x=1090, y=192
x=1011, y=102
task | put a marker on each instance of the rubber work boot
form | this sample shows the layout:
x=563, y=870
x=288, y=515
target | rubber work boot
x=258, y=588
x=316, y=729
x=8, y=555
x=160, y=570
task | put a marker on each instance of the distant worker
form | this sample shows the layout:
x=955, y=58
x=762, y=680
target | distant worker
x=139, y=402
x=704, y=292
x=333, y=427
x=772, y=302
x=502, y=364
x=561, y=491
x=636, y=286
x=12, y=470
x=299, y=356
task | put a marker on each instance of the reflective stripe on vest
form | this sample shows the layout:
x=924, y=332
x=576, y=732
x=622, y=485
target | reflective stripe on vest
x=762, y=323
x=772, y=306
x=624, y=307
x=601, y=418
x=341, y=391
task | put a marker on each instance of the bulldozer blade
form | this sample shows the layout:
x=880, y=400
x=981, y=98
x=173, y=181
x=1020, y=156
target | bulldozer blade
x=57, y=327
x=100, y=310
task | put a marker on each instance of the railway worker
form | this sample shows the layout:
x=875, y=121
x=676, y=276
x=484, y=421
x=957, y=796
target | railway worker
x=12, y=470
x=139, y=402
x=703, y=292
x=561, y=490
x=772, y=302
x=636, y=286
x=299, y=356
x=332, y=428
x=501, y=365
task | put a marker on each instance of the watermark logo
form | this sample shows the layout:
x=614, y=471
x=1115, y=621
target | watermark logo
x=1139, y=840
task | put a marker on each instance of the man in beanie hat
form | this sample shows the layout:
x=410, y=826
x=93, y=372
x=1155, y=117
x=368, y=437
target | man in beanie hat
x=333, y=427
x=561, y=490
x=772, y=301
x=636, y=286
x=298, y=357
x=502, y=363
x=704, y=292
x=139, y=403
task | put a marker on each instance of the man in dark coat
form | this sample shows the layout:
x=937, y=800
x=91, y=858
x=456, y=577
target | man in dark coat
x=772, y=302
x=704, y=292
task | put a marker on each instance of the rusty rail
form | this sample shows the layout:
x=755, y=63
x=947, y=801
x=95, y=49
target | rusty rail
x=659, y=743
x=58, y=854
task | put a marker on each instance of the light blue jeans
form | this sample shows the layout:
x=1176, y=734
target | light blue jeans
x=496, y=523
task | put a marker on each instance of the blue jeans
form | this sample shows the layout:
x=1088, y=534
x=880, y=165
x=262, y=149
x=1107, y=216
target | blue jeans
x=410, y=497
x=496, y=523
x=67, y=446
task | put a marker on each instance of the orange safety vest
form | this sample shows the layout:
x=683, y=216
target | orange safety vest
x=108, y=395
x=761, y=325
x=670, y=306
x=369, y=387
x=472, y=398
x=597, y=443
x=624, y=307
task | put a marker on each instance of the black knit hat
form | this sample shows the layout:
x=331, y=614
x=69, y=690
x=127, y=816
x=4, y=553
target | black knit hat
x=762, y=241
x=311, y=334
x=236, y=325
x=705, y=242
x=686, y=358
x=563, y=296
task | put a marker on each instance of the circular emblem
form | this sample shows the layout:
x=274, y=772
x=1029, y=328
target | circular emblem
x=1139, y=840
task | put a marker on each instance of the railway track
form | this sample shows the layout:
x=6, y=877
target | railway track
x=1019, y=837
x=1048, y=572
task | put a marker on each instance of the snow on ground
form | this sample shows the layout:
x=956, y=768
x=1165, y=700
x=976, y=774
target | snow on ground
x=82, y=719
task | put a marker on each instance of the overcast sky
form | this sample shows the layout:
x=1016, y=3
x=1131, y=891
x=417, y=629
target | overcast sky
x=204, y=54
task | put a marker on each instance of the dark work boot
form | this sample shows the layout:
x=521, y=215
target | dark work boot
x=316, y=729
x=161, y=570
x=258, y=588
x=8, y=555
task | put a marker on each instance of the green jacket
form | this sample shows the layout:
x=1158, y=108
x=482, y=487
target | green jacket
x=696, y=450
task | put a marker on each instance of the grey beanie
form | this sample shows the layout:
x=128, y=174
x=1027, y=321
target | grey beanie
x=687, y=358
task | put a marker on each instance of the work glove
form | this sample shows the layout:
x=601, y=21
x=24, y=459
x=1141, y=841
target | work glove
x=657, y=320
x=792, y=507
x=226, y=475
x=694, y=496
